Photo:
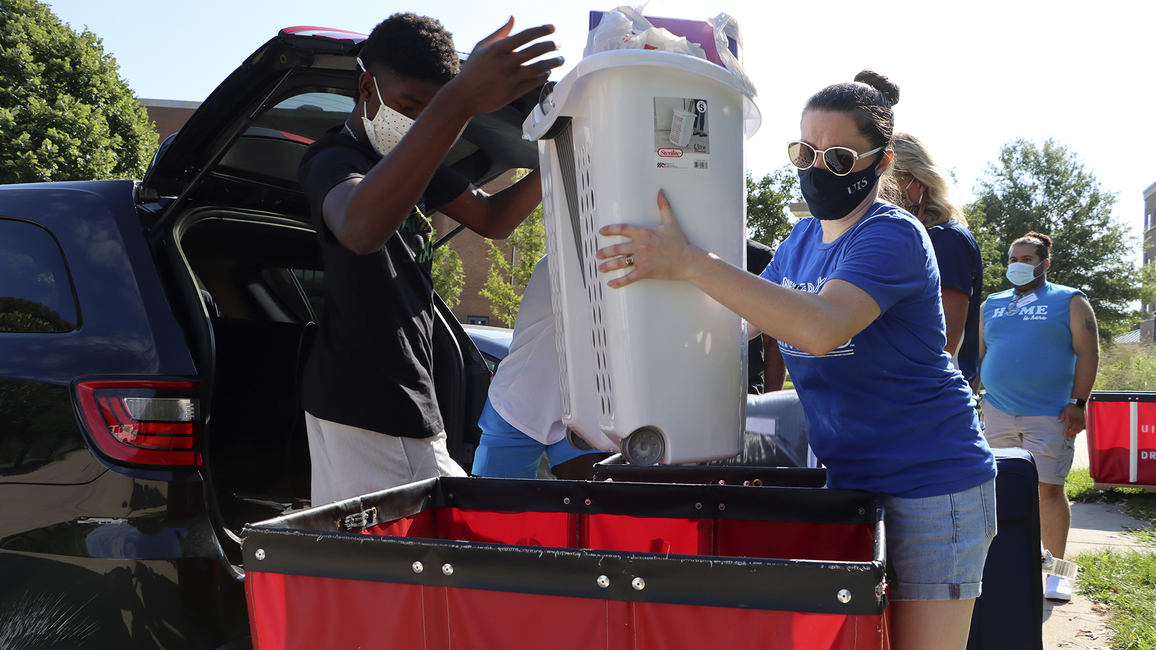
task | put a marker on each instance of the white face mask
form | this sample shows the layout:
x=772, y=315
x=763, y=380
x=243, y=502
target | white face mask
x=1019, y=273
x=388, y=127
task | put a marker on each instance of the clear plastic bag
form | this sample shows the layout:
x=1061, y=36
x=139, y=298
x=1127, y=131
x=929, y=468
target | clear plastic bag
x=625, y=28
x=726, y=29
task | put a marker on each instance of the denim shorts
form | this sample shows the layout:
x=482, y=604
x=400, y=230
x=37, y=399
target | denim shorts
x=937, y=546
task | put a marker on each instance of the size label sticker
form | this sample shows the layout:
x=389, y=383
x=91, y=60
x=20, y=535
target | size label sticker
x=681, y=133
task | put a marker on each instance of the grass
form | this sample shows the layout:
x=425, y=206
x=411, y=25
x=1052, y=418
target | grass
x=1139, y=504
x=1124, y=582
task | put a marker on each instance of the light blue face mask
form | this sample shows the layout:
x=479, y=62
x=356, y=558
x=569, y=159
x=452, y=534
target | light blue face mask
x=1020, y=273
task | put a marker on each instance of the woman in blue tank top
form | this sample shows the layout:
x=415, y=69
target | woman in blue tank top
x=853, y=298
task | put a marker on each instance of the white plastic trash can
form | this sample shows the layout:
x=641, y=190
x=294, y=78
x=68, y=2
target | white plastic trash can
x=656, y=370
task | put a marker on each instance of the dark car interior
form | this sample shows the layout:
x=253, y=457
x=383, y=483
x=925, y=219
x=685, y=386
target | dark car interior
x=262, y=325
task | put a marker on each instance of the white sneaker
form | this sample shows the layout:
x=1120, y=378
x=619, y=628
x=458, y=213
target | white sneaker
x=1057, y=588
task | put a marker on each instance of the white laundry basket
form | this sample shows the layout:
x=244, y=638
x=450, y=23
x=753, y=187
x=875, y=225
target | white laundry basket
x=657, y=369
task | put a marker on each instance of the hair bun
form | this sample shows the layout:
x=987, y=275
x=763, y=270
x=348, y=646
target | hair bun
x=880, y=83
x=1044, y=239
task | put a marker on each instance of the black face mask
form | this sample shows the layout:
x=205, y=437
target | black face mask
x=833, y=197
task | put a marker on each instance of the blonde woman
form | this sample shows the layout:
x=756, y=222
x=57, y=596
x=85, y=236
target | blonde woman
x=923, y=188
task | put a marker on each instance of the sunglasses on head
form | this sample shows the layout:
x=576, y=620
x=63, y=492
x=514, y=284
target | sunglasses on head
x=839, y=160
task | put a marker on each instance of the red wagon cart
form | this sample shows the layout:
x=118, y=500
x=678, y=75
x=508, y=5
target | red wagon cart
x=1122, y=439
x=490, y=563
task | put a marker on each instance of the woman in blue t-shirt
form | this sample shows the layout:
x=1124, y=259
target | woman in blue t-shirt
x=852, y=296
x=922, y=187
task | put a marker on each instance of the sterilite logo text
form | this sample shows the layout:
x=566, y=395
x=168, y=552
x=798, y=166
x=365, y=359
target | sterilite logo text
x=670, y=153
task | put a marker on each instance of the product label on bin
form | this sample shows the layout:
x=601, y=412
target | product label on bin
x=681, y=133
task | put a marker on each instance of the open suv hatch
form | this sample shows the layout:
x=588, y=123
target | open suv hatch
x=152, y=339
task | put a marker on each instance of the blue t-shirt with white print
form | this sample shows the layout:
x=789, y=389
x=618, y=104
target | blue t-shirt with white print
x=886, y=411
x=1029, y=365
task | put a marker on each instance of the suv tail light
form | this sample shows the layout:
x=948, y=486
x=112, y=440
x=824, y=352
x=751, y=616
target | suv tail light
x=146, y=422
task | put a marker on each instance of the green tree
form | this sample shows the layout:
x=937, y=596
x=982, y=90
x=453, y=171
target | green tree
x=768, y=205
x=448, y=275
x=65, y=114
x=1046, y=189
x=507, y=279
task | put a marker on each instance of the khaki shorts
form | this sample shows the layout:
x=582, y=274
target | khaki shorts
x=1041, y=435
x=349, y=462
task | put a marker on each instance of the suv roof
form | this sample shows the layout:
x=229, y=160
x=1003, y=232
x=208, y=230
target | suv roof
x=246, y=139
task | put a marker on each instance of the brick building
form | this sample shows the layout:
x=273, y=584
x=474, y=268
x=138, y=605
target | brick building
x=1150, y=232
x=1147, y=331
x=472, y=249
x=169, y=116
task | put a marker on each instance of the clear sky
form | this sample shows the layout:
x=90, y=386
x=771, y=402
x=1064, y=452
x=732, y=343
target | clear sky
x=973, y=75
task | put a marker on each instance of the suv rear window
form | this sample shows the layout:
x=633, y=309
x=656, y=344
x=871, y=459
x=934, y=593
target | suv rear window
x=276, y=141
x=36, y=293
x=305, y=117
x=272, y=147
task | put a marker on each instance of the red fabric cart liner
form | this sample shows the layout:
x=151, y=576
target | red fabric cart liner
x=1112, y=454
x=572, y=565
x=311, y=613
x=663, y=535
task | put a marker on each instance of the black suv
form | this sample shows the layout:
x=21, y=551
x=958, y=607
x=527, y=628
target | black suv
x=152, y=338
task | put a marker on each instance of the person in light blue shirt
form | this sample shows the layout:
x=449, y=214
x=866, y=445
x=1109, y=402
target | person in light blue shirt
x=522, y=417
x=1039, y=352
x=853, y=298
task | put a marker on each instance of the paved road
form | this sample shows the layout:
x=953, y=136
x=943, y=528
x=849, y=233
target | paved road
x=1082, y=624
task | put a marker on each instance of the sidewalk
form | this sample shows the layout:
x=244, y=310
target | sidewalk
x=1081, y=623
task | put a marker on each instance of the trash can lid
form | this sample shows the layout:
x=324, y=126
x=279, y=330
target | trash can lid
x=548, y=110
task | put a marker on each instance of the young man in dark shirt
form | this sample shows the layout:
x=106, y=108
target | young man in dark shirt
x=371, y=412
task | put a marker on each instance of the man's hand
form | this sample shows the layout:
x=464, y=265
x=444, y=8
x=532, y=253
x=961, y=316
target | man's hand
x=496, y=72
x=1074, y=417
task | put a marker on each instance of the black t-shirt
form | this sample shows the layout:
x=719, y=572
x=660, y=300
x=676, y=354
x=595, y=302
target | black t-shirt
x=372, y=363
x=758, y=257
